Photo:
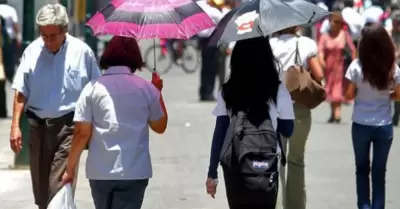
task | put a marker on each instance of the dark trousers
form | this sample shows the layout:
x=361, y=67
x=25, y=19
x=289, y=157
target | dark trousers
x=9, y=55
x=3, y=99
x=396, y=115
x=49, y=145
x=209, y=69
x=241, y=198
x=118, y=194
x=380, y=137
x=222, y=65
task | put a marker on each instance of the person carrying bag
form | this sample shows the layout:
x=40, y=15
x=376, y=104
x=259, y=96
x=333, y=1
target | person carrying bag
x=303, y=88
x=301, y=73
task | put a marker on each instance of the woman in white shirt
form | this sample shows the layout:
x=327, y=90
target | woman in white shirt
x=284, y=45
x=370, y=81
x=254, y=88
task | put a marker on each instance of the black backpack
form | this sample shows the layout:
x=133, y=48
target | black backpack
x=251, y=153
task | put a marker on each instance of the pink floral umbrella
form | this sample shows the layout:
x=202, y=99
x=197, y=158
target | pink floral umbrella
x=144, y=19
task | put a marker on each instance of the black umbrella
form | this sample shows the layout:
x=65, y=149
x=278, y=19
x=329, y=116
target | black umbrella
x=263, y=17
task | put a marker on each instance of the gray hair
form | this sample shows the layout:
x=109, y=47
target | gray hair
x=52, y=14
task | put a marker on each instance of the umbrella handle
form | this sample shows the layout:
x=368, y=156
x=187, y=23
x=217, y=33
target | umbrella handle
x=154, y=55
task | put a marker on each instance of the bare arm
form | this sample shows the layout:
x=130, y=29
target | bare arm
x=16, y=28
x=350, y=44
x=316, y=68
x=321, y=55
x=82, y=134
x=159, y=126
x=16, y=135
x=350, y=89
x=395, y=95
x=18, y=108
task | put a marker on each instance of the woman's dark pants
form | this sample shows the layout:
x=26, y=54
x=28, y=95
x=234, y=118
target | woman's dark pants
x=209, y=69
x=118, y=194
x=380, y=138
x=3, y=99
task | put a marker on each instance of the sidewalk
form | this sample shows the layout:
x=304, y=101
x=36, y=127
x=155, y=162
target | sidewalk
x=180, y=159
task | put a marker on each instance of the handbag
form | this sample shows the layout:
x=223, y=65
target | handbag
x=303, y=88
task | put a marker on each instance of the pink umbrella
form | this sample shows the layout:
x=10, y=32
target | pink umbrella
x=143, y=19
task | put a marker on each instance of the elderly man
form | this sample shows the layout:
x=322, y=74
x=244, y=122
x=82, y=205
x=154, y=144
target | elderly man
x=53, y=71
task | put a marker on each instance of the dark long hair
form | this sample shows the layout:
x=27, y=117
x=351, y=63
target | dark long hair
x=377, y=56
x=254, y=79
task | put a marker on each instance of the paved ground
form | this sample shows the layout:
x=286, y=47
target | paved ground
x=180, y=159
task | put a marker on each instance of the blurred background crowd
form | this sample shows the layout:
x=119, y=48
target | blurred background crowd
x=18, y=30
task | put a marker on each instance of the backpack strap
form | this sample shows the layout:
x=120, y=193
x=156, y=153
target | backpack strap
x=297, y=59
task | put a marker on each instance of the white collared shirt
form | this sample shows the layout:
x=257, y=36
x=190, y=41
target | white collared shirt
x=51, y=83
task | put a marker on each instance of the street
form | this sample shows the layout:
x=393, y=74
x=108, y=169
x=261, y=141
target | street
x=180, y=159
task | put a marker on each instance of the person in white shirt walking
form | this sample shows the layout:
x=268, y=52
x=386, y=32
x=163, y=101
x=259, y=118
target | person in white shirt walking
x=13, y=38
x=209, y=54
x=284, y=44
x=225, y=50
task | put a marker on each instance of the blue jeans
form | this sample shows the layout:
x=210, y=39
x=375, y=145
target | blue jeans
x=381, y=139
x=118, y=194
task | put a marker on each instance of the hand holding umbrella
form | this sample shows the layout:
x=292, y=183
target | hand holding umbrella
x=157, y=81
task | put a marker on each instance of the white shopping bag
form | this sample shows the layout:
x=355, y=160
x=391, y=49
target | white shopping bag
x=63, y=199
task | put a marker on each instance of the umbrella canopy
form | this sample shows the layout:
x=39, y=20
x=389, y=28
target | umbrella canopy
x=263, y=17
x=143, y=19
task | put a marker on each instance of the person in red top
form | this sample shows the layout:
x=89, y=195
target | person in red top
x=331, y=47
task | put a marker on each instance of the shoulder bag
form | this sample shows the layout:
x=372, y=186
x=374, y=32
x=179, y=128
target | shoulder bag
x=303, y=88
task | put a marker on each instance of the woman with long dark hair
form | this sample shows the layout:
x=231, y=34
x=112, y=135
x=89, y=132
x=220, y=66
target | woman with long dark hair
x=253, y=87
x=371, y=79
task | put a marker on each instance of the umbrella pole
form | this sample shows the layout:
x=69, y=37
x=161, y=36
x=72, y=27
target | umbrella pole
x=154, y=54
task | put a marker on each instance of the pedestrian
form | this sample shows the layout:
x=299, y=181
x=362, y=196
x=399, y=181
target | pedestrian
x=286, y=44
x=225, y=50
x=113, y=114
x=12, y=39
x=331, y=48
x=255, y=89
x=373, y=13
x=209, y=54
x=370, y=79
x=3, y=79
x=53, y=71
x=395, y=32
